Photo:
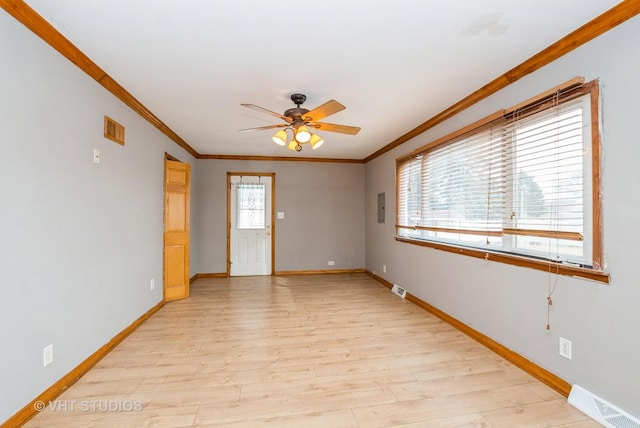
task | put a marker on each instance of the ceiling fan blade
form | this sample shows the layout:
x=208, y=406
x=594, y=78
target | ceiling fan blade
x=331, y=127
x=324, y=110
x=264, y=110
x=282, y=125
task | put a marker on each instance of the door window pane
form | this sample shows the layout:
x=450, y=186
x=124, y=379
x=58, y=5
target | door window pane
x=251, y=212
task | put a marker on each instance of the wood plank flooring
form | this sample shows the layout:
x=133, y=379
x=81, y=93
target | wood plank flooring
x=304, y=351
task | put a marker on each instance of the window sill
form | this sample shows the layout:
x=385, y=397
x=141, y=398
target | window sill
x=560, y=269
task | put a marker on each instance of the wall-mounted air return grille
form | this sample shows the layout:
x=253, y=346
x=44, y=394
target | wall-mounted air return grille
x=113, y=130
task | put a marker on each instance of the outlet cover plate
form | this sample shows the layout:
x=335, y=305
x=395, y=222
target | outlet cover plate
x=47, y=355
x=564, y=346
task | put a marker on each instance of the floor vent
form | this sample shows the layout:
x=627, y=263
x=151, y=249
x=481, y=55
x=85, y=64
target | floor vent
x=606, y=413
x=399, y=291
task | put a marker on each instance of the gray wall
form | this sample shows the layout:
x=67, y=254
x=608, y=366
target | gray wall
x=508, y=303
x=79, y=241
x=323, y=205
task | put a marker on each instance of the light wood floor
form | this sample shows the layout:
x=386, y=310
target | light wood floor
x=305, y=351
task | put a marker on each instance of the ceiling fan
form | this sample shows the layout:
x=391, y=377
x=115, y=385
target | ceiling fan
x=299, y=120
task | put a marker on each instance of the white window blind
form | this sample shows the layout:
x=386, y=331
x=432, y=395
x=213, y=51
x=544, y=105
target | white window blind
x=463, y=185
x=549, y=175
x=409, y=192
x=521, y=185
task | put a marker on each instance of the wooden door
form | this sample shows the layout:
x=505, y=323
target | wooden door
x=176, y=230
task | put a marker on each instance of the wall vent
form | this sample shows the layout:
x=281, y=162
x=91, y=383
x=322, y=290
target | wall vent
x=113, y=130
x=601, y=411
x=399, y=291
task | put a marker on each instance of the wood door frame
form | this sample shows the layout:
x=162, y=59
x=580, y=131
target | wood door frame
x=273, y=215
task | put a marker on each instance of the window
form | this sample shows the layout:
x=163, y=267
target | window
x=251, y=207
x=519, y=183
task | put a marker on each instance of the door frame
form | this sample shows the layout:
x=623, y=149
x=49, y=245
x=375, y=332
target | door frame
x=273, y=214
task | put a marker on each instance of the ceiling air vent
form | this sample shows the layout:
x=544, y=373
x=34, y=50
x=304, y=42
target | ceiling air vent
x=113, y=130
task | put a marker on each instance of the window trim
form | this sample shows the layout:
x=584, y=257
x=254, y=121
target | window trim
x=571, y=89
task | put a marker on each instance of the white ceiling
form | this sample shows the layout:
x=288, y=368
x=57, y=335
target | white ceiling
x=393, y=64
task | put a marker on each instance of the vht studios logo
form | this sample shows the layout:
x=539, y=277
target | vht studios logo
x=90, y=406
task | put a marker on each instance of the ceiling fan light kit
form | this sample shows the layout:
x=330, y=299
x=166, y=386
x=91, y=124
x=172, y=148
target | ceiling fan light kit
x=316, y=141
x=294, y=145
x=280, y=138
x=302, y=134
x=299, y=120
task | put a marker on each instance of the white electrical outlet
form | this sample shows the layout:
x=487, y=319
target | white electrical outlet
x=47, y=355
x=96, y=156
x=331, y=263
x=153, y=283
x=384, y=268
x=565, y=348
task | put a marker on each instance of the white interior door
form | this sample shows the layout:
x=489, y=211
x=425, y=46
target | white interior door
x=250, y=228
